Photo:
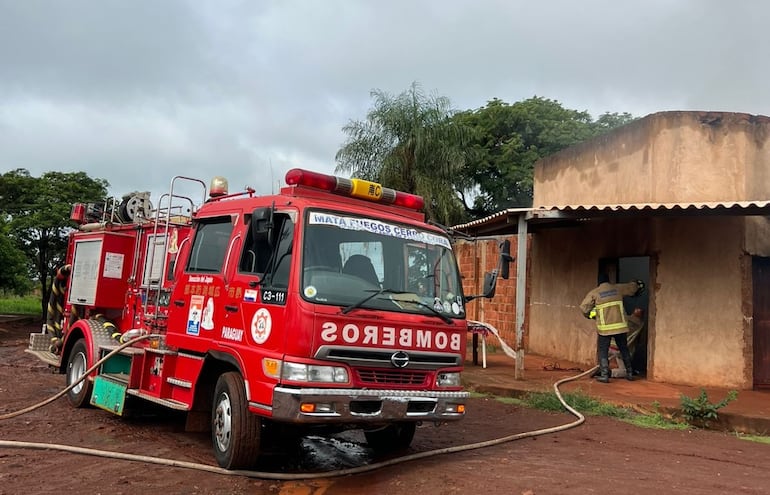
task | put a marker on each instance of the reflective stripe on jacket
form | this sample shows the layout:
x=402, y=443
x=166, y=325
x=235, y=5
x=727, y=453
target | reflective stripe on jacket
x=607, y=299
x=606, y=323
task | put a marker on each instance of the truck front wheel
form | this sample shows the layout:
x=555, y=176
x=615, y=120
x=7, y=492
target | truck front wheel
x=391, y=438
x=77, y=364
x=235, y=432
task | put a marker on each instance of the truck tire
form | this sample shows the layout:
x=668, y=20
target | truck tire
x=391, y=438
x=235, y=432
x=77, y=364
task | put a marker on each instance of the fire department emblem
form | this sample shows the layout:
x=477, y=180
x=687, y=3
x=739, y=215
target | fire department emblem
x=261, y=324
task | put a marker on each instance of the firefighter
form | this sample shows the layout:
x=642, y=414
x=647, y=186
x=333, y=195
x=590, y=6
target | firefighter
x=610, y=315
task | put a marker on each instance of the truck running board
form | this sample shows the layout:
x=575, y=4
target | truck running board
x=170, y=403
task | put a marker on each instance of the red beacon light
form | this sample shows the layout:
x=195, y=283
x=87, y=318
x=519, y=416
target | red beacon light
x=354, y=188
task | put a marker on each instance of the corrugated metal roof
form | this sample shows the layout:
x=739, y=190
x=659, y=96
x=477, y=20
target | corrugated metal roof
x=573, y=211
x=492, y=217
x=715, y=205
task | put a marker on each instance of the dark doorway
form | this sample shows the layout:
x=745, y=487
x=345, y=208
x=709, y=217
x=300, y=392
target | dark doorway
x=624, y=270
x=637, y=268
x=761, y=289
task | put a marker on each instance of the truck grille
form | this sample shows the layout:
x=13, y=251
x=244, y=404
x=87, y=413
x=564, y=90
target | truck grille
x=387, y=377
x=381, y=358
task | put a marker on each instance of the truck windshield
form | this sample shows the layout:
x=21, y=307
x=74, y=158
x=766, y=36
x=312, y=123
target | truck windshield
x=346, y=259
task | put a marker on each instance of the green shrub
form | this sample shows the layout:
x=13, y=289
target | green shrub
x=699, y=411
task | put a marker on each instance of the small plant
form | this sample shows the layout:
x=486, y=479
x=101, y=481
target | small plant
x=699, y=411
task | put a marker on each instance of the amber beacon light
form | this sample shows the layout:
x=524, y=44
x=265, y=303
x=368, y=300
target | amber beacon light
x=354, y=188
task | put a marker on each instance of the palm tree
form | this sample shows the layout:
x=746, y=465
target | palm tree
x=409, y=143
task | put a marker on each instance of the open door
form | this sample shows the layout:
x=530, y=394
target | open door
x=761, y=341
x=626, y=269
x=637, y=268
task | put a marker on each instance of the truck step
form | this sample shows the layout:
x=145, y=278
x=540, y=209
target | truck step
x=170, y=403
x=40, y=347
x=178, y=382
x=40, y=341
x=45, y=356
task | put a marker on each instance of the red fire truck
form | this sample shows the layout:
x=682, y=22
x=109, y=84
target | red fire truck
x=329, y=306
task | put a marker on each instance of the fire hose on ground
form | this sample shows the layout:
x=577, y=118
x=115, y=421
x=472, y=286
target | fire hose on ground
x=272, y=475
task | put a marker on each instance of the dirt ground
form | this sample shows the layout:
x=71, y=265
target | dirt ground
x=602, y=455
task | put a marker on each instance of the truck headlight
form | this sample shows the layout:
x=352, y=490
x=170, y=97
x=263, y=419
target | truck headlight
x=297, y=372
x=448, y=380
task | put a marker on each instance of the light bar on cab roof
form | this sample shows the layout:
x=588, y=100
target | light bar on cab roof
x=355, y=188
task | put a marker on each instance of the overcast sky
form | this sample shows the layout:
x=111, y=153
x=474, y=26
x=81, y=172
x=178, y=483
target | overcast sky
x=138, y=91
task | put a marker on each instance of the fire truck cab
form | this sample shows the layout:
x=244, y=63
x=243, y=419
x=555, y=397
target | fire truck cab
x=328, y=306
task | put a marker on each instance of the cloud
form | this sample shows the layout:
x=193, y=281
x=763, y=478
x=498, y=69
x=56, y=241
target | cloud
x=137, y=92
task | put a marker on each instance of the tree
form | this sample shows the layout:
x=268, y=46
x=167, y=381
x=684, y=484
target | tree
x=38, y=211
x=14, y=277
x=409, y=142
x=506, y=141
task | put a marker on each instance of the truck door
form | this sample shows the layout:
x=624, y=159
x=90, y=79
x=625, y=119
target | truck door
x=198, y=298
x=257, y=292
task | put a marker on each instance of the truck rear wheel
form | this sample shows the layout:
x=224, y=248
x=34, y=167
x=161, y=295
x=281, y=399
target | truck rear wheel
x=391, y=438
x=77, y=364
x=235, y=432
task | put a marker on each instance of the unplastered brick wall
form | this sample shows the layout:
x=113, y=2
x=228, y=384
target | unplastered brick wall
x=476, y=257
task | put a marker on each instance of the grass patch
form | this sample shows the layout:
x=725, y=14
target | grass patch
x=657, y=421
x=587, y=405
x=754, y=438
x=548, y=401
x=26, y=305
x=511, y=400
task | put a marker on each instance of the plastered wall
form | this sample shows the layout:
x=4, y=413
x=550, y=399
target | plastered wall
x=697, y=329
x=667, y=157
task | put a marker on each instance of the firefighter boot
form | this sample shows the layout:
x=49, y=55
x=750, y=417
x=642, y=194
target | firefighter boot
x=604, y=371
x=629, y=369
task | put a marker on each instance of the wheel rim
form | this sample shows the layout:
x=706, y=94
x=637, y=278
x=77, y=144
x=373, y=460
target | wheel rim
x=223, y=422
x=77, y=369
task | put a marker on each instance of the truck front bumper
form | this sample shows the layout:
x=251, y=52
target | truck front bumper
x=323, y=405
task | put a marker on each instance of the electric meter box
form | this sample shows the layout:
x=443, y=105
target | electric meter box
x=101, y=267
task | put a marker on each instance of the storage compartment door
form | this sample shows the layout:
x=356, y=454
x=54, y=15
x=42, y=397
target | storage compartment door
x=85, y=271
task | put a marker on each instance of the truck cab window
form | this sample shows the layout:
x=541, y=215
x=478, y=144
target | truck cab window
x=270, y=254
x=282, y=265
x=210, y=245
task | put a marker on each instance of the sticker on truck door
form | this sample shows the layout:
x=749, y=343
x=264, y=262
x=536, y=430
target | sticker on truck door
x=207, y=322
x=194, y=315
x=261, y=324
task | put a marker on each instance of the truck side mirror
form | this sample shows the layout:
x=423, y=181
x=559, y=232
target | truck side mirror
x=261, y=223
x=503, y=270
x=490, y=284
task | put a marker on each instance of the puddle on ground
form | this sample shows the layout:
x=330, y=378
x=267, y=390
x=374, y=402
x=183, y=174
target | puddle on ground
x=321, y=453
